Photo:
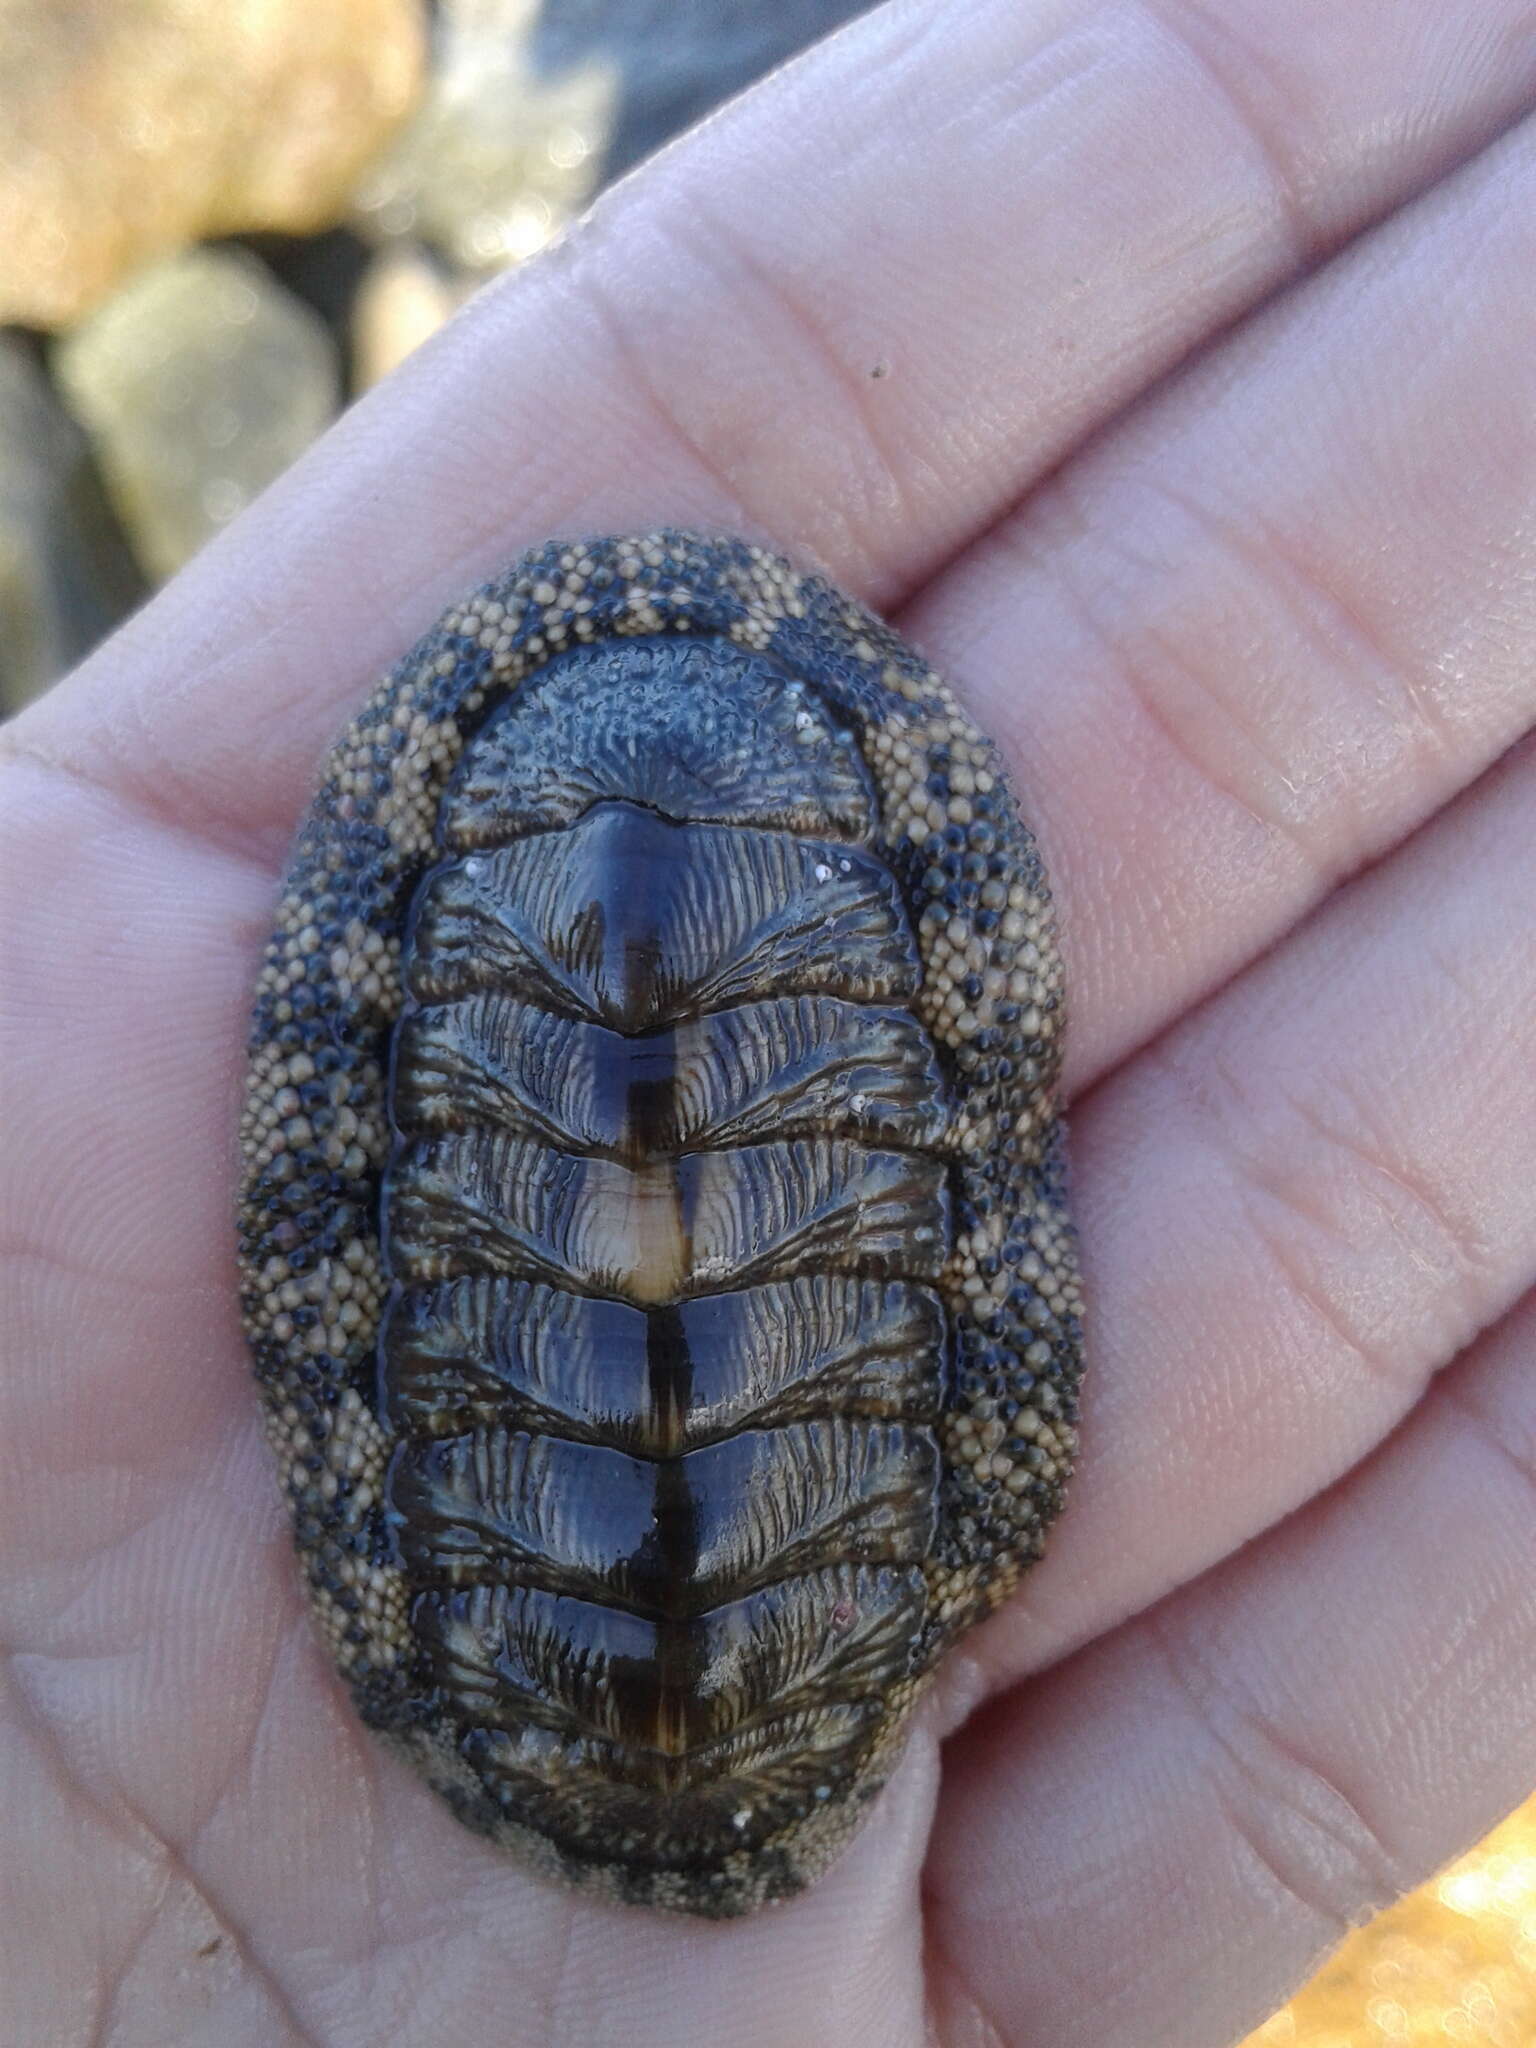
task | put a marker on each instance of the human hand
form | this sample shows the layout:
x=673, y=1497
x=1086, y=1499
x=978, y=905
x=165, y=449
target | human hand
x=969, y=315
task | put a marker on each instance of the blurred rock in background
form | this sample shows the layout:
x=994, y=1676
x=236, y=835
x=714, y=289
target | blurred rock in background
x=499, y=155
x=404, y=295
x=131, y=127
x=1452, y=1966
x=65, y=570
x=199, y=383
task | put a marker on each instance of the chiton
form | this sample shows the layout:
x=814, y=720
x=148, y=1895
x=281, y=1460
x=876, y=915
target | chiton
x=653, y=1230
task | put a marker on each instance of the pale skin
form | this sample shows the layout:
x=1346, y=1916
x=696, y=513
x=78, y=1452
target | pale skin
x=964, y=309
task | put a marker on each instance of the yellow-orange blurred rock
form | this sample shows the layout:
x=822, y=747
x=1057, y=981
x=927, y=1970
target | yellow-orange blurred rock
x=499, y=157
x=402, y=298
x=130, y=127
x=198, y=384
x=1453, y=1963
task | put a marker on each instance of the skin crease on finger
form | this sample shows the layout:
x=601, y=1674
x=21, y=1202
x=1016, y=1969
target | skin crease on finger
x=1280, y=661
x=178, y=1738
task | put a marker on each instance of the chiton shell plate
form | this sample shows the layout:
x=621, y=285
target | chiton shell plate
x=653, y=1232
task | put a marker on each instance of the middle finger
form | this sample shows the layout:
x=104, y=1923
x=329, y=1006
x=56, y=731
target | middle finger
x=1261, y=631
x=1296, y=1207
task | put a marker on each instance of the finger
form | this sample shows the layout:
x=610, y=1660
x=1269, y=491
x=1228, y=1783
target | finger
x=1293, y=1741
x=1267, y=625
x=1295, y=1208
x=1023, y=223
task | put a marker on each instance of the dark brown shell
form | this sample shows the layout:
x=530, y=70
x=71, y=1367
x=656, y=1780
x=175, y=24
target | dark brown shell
x=653, y=1234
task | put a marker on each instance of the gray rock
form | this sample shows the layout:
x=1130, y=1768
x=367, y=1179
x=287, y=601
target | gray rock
x=66, y=576
x=198, y=384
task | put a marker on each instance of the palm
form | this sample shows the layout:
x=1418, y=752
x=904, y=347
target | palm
x=1267, y=630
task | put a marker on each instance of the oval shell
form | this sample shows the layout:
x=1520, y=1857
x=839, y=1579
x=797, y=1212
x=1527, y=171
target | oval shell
x=653, y=1232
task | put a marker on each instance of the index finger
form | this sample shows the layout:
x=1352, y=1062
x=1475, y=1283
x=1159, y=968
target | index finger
x=859, y=313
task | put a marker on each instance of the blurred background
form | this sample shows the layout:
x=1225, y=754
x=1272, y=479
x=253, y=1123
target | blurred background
x=222, y=219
